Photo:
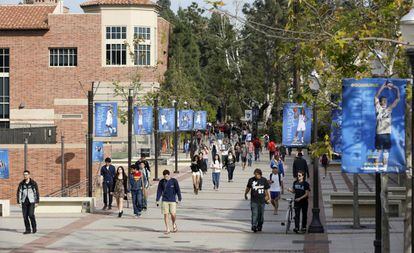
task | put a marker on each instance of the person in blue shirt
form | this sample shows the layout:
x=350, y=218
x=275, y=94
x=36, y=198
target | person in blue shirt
x=108, y=174
x=137, y=189
x=168, y=191
x=277, y=162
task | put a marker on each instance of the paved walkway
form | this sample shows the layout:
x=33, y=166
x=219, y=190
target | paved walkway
x=213, y=221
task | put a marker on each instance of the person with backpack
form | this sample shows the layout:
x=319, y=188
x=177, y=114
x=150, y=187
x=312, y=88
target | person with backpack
x=137, y=189
x=28, y=199
x=272, y=149
x=325, y=163
x=277, y=162
x=276, y=187
x=300, y=164
x=257, y=149
x=143, y=165
x=168, y=191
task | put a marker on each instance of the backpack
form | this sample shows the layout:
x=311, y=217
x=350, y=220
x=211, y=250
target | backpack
x=280, y=178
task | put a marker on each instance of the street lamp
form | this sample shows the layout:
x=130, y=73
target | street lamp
x=130, y=101
x=175, y=103
x=407, y=31
x=316, y=225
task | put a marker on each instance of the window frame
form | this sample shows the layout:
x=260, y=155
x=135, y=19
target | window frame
x=63, y=55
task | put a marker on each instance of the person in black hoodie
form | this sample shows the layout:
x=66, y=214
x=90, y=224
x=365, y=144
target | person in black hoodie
x=120, y=189
x=28, y=199
x=108, y=173
x=230, y=165
x=300, y=164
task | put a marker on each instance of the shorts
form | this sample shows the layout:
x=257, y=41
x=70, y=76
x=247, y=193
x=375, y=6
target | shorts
x=198, y=173
x=274, y=195
x=383, y=141
x=168, y=207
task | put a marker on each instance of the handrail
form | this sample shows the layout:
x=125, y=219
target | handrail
x=67, y=189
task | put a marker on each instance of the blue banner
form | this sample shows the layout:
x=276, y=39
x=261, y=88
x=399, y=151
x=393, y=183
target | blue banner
x=97, y=151
x=373, y=126
x=106, y=119
x=336, y=132
x=297, y=124
x=166, y=120
x=200, y=120
x=4, y=164
x=185, y=120
x=143, y=120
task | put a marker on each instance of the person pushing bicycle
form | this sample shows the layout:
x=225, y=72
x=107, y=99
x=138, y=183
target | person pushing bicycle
x=301, y=190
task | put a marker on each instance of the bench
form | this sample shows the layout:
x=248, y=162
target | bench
x=392, y=195
x=344, y=208
x=66, y=205
x=4, y=207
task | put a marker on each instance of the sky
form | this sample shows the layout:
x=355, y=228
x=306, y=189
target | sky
x=175, y=4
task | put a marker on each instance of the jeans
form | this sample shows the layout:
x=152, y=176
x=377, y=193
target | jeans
x=107, y=186
x=257, y=214
x=137, y=201
x=256, y=154
x=230, y=171
x=250, y=160
x=301, y=206
x=216, y=179
x=28, y=213
x=271, y=154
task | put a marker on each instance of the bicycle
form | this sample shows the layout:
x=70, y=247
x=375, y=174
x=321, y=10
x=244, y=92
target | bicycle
x=289, y=214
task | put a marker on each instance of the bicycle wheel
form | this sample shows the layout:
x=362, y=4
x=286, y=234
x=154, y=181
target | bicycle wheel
x=288, y=220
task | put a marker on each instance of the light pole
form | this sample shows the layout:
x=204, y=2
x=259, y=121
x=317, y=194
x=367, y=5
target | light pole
x=316, y=225
x=407, y=30
x=130, y=120
x=175, y=103
x=156, y=137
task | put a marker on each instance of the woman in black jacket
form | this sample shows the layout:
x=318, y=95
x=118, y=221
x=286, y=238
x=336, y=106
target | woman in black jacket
x=196, y=173
x=202, y=164
x=230, y=164
x=120, y=189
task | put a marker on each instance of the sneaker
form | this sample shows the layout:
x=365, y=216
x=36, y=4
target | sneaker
x=26, y=232
x=254, y=229
x=303, y=230
x=34, y=231
x=296, y=230
x=144, y=209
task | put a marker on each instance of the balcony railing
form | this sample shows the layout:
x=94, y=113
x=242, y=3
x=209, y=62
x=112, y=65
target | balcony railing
x=35, y=135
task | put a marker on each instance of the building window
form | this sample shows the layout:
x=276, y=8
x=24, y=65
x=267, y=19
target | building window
x=115, y=32
x=4, y=60
x=142, y=33
x=4, y=98
x=63, y=57
x=143, y=55
x=116, y=54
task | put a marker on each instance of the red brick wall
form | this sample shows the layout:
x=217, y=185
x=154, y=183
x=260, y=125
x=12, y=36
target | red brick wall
x=36, y=84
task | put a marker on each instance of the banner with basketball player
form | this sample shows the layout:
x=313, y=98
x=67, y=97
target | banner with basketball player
x=106, y=119
x=166, y=120
x=373, y=125
x=143, y=120
x=200, y=120
x=297, y=124
x=185, y=120
x=336, y=132
x=4, y=164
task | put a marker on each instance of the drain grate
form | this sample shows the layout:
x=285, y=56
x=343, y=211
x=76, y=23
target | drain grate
x=311, y=241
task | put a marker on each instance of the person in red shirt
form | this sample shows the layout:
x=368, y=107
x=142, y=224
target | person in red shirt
x=272, y=149
x=257, y=148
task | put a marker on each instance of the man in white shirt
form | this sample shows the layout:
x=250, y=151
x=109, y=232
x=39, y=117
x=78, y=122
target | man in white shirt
x=276, y=187
x=384, y=121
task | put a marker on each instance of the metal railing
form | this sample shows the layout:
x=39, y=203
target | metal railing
x=35, y=135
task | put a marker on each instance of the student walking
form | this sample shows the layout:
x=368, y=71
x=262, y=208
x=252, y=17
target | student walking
x=108, y=174
x=216, y=171
x=276, y=187
x=257, y=149
x=325, y=163
x=202, y=164
x=244, y=153
x=277, y=162
x=300, y=164
x=282, y=150
x=237, y=151
x=272, y=149
x=28, y=199
x=120, y=189
x=230, y=165
x=258, y=187
x=137, y=189
x=301, y=190
x=169, y=190
x=196, y=173
x=250, y=148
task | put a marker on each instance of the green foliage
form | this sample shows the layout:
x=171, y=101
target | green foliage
x=322, y=147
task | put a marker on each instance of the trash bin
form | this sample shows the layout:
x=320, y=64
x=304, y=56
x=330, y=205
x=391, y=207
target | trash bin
x=145, y=152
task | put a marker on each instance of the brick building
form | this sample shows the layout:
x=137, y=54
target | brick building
x=49, y=59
